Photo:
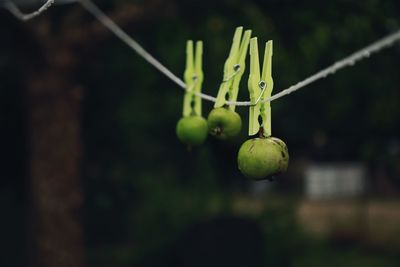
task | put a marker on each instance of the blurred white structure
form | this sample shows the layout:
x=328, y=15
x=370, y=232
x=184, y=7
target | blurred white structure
x=334, y=180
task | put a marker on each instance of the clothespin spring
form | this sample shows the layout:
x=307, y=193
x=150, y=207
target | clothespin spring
x=263, y=86
x=236, y=69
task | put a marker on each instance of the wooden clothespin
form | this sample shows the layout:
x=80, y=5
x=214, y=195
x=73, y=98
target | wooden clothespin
x=260, y=89
x=193, y=77
x=233, y=69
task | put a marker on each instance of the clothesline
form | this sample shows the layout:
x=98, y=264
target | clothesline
x=352, y=59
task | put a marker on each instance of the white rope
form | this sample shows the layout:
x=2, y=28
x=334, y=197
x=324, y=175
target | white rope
x=95, y=11
x=24, y=17
x=348, y=61
x=123, y=36
x=103, y=18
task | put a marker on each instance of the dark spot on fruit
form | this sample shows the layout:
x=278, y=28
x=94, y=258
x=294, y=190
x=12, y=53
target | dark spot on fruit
x=283, y=154
x=251, y=148
x=217, y=130
x=275, y=141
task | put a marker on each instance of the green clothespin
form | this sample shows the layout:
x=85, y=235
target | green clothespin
x=234, y=68
x=193, y=78
x=260, y=88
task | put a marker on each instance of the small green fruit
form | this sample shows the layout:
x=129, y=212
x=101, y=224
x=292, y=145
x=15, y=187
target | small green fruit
x=192, y=130
x=262, y=158
x=224, y=123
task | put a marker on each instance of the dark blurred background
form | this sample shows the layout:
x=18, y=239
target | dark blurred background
x=92, y=173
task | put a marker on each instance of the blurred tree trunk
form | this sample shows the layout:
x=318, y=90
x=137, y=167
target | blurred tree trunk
x=54, y=99
x=55, y=146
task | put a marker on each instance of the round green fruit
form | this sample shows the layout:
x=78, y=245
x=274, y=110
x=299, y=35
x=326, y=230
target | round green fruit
x=224, y=123
x=262, y=158
x=192, y=130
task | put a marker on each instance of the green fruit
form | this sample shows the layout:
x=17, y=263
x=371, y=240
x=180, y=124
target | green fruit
x=224, y=123
x=192, y=130
x=262, y=158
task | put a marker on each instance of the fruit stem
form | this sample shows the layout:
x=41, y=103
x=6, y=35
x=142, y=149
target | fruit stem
x=261, y=133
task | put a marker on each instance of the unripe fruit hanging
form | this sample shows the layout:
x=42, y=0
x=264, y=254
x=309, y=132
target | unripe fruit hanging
x=224, y=123
x=262, y=158
x=192, y=130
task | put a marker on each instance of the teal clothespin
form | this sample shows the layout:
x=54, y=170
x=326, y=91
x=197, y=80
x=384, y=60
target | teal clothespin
x=193, y=77
x=234, y=68
x=260, y=88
